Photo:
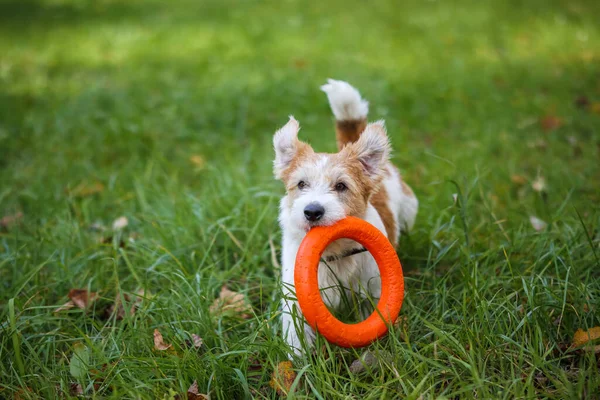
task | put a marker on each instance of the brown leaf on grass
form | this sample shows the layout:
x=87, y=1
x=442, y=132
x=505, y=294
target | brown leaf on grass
x=595, y=108
x=8, y=221
x=582, y=337
x=401, y=326
x=282, y=378
x=120, y=223
x=86, y=189
x=300, y=63
x=194, y=394
x=364, y=363
x=539, y=184
x=198, y=161
x=550, y=123
x=582, y=101
x=118, y=309
x=76, y=389
x=518, y=180
x=537, y=223
x=197, y=340
x=24, y=393
x=82, y=298
x=159, y=342
x=230, y=302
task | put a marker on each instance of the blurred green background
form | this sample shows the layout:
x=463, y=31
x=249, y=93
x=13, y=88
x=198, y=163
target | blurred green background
x=163, y=112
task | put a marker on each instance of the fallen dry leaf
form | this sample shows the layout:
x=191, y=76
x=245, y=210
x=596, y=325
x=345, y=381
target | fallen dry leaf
x=118, y=310
x=9, y=221
x=366, y=361
x=24, y=393
x=86, y=189
x=231, y=302
x=582, y=101
x=595, y=108
x=539, y=184
x=518, y=180
x=120, y=223
x=300, y=63
x=197, y=340
x=283, y=378
x=582, y=337
x=76, y=389
x=537, y=223
x=159, y=343
x=198, y=161
x=194, y=394
x=82, y=298
x=401, y=326
x=550, y=123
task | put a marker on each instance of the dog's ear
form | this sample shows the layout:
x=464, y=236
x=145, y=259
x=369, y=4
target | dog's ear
x=372, y=149
x=286, y=146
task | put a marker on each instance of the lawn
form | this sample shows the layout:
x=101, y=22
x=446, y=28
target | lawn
x=163, y=113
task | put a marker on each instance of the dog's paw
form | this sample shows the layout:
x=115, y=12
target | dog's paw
x=345, y=101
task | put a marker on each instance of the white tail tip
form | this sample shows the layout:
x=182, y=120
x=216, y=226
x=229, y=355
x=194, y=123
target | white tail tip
x=345, y=101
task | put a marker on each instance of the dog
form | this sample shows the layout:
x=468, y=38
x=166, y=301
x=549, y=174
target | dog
x=322, y=189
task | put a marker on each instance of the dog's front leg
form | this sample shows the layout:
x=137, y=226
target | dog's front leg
x=297, y=333
x=295, y=330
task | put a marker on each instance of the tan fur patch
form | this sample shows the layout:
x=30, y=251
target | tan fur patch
x=356, y=198
x=303, y=153
x=406, y=189
x=380, y=201
x=349, y=131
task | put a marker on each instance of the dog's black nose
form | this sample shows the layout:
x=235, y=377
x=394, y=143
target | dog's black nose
x=314, y=212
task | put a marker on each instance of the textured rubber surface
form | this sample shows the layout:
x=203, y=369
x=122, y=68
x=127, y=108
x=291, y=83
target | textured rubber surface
x=307, y=287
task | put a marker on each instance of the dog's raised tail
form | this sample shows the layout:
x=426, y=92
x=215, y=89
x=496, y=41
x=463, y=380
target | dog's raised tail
x=350, y=111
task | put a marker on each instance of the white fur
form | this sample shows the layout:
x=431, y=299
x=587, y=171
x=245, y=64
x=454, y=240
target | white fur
x=285, y=143
x=318, y=190
x=358, y=272
x=345, y=101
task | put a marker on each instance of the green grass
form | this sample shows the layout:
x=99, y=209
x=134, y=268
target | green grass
x=124, y=93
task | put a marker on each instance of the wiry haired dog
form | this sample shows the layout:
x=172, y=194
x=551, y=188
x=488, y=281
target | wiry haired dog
x=323, y=188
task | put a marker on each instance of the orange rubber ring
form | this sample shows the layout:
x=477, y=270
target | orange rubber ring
x=307, y=286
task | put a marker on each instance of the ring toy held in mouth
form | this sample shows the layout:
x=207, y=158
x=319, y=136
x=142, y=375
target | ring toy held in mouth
x=307, y=286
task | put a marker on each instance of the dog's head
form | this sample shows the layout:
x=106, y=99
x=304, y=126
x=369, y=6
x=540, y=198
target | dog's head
x=324, y=188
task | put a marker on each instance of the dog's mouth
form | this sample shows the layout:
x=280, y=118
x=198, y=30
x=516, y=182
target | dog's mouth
x=309, y=225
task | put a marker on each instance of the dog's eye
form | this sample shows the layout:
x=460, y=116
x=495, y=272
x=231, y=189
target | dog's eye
x=340, y=187
x=301, y=185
